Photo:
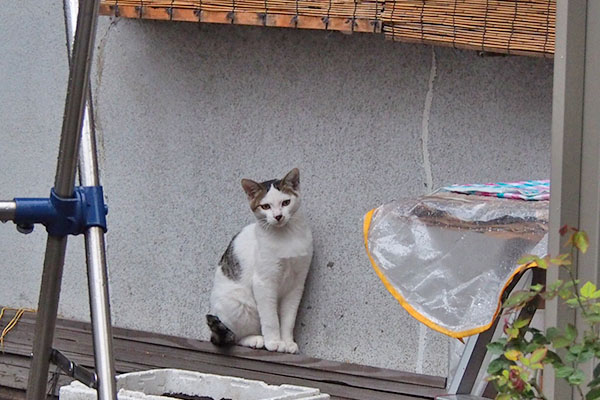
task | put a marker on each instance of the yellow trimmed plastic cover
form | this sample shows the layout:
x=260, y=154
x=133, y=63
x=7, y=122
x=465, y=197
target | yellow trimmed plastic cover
x=447, y=258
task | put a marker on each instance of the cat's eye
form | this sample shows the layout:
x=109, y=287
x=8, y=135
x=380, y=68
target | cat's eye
x=285, y=203
x=265, y=206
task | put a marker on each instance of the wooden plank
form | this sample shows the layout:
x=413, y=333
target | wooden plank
x=146, y=360
x=78, y=342
x=15, y=369
x=138, y=351
x=261, y=355
x=11, y=394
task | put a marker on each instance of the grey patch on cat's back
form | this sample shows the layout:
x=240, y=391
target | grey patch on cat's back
x=230, y=265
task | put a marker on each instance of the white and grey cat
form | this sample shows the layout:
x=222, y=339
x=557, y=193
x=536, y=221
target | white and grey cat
x=260, y=279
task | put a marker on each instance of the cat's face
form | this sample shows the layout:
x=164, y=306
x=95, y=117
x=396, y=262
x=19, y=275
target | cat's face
x=274, y=202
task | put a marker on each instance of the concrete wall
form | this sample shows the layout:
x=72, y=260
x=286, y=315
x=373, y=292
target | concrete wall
x=185, y=111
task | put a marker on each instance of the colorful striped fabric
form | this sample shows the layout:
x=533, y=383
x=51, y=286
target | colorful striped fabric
x=522, y=190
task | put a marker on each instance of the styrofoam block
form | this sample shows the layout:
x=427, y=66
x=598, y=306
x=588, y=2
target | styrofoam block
x=151, y=384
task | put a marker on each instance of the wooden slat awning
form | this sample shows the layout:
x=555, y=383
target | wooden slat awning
x=525, y=27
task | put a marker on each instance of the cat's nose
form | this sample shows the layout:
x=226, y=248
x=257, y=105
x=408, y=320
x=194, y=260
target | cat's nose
x=278, y=217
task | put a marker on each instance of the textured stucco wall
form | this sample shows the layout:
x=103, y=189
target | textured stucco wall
x=185, y=111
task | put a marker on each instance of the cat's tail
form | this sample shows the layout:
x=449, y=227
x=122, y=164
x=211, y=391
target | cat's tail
x=221, y=335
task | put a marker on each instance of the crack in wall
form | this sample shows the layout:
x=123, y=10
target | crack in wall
x=95, y=104
x=425, y=124
x=428, y=184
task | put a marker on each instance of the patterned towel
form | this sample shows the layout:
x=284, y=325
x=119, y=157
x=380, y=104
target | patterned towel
x=523, y=190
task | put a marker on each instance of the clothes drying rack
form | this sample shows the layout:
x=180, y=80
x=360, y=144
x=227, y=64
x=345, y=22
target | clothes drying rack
x=72, y=210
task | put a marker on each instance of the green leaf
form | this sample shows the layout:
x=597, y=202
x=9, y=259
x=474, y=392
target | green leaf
x=594, y=382
x=573, y=303
x=555, y=285
x=537, y=366
x=564, y=371
x=495, y=348
x=497, y=365
x=539, y=339
x=521, y=323
x=537, y=288
x=542, y=263
x=586, y=355
x=527, y=259
x=518, y=299
x=593, y=318
x=512, y=333
x=597, y=371
x=577, y=377
x=593, y=394
x=562, y=259
x=512, y=355
x=565, y=293
x=595, y=295
x=580, y=240
x=570, y=332
x=577, y=349
x=538, y=355
x=587, y=290
x=570, y=357
x=551, y=333
x=560, y=342
x=554, y=359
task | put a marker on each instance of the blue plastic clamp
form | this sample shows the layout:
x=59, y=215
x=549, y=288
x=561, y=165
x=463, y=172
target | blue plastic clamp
x=64, y=216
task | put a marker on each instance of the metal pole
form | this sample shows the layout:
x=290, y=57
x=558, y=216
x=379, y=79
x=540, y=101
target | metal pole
x=94, y=241
x=7, y=210
x=64, y=184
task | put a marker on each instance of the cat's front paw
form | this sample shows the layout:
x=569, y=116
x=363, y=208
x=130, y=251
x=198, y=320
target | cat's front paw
x=291, y=347
x=275, y=345
x=253, y=341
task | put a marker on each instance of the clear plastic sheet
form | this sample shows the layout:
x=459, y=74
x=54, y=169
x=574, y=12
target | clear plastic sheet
x=447, y=257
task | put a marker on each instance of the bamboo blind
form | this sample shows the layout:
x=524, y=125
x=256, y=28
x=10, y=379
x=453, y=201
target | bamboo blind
x=507, y=26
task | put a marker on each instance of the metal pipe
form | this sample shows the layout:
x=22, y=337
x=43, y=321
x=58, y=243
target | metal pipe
x=76, y=95
x=100, y=310
x=94, y=239
x=7, y=210
x=97, y=270
x=46, y=317
x=64, y=183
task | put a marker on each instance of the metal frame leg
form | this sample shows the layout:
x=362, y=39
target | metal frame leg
x=77, y=116
x=95, y=247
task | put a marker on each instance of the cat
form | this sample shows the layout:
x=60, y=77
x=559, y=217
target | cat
x=260, y=279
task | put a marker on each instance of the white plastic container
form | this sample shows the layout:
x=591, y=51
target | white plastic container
x=152, y=384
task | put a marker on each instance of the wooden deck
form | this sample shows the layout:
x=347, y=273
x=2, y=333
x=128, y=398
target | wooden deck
x=135, y=350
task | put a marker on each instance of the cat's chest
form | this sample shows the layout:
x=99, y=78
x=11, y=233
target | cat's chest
x=287, y=248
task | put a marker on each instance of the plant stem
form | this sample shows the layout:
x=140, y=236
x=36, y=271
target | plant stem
x=575, y=288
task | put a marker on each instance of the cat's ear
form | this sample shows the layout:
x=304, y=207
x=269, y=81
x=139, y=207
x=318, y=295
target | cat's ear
x=251, y=188
x=292, y=179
